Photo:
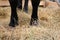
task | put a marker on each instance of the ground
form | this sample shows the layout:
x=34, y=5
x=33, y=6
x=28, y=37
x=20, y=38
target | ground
x=47, y=29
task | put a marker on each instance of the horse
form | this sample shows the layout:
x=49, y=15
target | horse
x=14, y=17
x=25, y=9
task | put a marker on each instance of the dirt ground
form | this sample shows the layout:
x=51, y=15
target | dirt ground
x=47, y=29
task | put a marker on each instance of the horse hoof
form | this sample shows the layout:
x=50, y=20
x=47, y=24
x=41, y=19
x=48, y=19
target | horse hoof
x=12, y=25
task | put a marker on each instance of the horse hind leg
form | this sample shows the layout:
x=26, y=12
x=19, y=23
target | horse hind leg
x=19, y=4
x=25, y=9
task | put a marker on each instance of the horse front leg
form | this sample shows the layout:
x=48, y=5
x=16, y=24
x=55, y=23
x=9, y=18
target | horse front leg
x=14, y=17
x=34, y=16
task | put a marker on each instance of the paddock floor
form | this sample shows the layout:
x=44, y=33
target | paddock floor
x=47, y=29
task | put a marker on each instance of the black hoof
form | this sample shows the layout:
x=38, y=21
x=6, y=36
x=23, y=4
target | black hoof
x=12, y=24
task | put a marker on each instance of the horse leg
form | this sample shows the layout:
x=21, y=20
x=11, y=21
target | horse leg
x=14, y=17
x=34, y=16
x=26, y=6
x=20, y=4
